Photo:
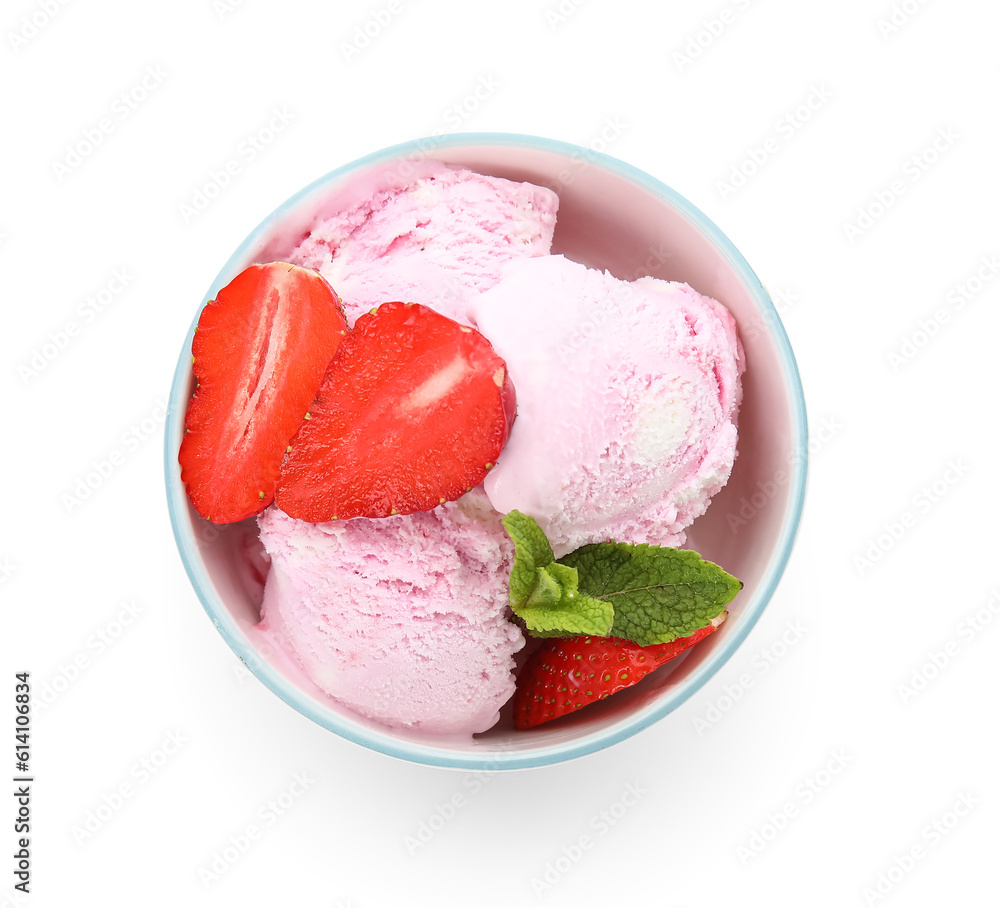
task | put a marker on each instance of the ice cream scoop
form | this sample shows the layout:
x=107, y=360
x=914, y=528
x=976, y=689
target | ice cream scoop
x=403, y=619
x=439, y=239
x=627, y=401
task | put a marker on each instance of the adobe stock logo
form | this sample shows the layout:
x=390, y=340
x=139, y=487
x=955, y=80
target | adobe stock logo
x=225, y=8
x=954, y=301
x=557, y=15
x=236, y=846
x=931, y=835
x=765, y=659
x=68, y=672
x=713, y=28
x=600, y=825
x=246, y=152
x=370, y=30
x=103, y=468
x=140, y=774
x=766, y=490
x=899, y=17
x=805, y=793
x=63, y=336
x=914, y=169
x=31, y=26
x=785, y=128
x=935, y=661
x=124, y=106
x=923, y=502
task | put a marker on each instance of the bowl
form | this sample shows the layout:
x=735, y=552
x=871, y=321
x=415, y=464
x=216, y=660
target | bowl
x=611, y=216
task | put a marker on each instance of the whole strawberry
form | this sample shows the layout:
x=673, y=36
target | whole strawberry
x=568, y=673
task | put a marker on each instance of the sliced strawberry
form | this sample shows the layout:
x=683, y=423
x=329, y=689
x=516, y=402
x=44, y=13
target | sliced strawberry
x=260, y=351
x=568, y=673
x=413, y=411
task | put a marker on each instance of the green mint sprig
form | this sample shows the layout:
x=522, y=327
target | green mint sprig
x=645, y=593
x=545, y=594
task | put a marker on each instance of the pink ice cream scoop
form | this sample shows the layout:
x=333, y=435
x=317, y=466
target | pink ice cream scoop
x=403, y=619
x=438, y=240
x=627, y=400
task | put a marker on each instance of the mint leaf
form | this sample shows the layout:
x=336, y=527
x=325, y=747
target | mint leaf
x=644, y=593
x=553, y=582
x=545, y=594
x=557, y=609
x=531, y=551
x=658, y=593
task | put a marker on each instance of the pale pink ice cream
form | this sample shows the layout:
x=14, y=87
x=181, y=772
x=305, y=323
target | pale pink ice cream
x=404, y=618
x=439, y=240
x=627, y=397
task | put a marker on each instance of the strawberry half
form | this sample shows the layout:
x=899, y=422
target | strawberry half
x=413, y=411
x=260, y=351
x=568, y=673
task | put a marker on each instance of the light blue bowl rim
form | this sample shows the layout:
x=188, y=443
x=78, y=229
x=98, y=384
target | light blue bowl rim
x=425, y=753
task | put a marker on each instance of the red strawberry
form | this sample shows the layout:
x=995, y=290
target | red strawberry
x=260, y=351
x=567, y=673
x=413, y=411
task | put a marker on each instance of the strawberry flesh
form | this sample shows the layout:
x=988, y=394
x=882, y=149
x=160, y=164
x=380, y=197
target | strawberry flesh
x=413, y=411
x=260, y=352
x=568, y=673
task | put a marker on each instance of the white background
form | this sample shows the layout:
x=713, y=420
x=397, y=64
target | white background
x=888, y=421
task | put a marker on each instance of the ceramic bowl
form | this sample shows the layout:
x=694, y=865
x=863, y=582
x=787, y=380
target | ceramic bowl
x=611, y=216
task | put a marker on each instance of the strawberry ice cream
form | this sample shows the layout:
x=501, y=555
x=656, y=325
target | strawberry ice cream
x=438, y=240
x=401, y=618
x=627, y=395
x=627, y=400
